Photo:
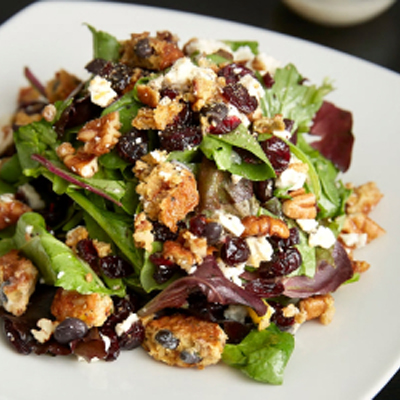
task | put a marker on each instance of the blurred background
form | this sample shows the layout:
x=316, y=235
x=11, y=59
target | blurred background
x=375, y=39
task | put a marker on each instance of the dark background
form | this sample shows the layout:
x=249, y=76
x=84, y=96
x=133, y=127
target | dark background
x=377, y=41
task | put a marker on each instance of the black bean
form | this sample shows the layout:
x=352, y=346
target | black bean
x=69, y=330
x=189, y=358
x=143, y=48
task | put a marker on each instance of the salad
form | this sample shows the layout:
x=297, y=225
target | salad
x=186, y=200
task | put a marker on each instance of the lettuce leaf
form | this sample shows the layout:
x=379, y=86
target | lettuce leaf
x=262, y=355
x=57, y=263
x=105, y=46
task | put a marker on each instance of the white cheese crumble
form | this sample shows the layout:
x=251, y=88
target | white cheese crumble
x=125, y=325
x=183, y=72
x=7, y=198
x=206, y=46
x=243, y=53
x=107, y=342
x=290, y=179
x=234, y=112
x=236, y=312
x=322, y=237
x=270, y=63
x=232, y=273
x=307, y=225
x=356, y=240
x=101, y=92
x=231, y=223
x=29, y=230
x=284, y=134
x=253, y=86
x=260, y=250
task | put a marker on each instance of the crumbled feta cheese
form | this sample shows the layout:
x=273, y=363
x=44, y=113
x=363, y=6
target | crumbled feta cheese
x=32, y=196
x=101, y=92
x=356, y=240
x=260, y=250
x=234, y=112
x=29, y=230
x=231, y=223
x=232, y=273
x=183, y=72
x=322, y=237
x=284, y=134
x=7, y=198
x=206, y=46
x=307, y=225
x=243, y=53
x=107, y=342
x=270, y=63
x=290, y=179
x=253, y=86
x=236, y=312
x=125, y=325
x=158, y=156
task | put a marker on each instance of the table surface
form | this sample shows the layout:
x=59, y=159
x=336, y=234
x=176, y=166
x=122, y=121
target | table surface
x=369, y=41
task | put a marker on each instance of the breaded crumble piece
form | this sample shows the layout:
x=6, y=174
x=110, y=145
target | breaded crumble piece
x=10, y=210
x=18, y=277
x=154, y=53
x=92, y=308
x=184, y=341
x=168, y=192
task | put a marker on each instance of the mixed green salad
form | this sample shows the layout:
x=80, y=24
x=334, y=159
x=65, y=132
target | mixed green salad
x=186, y=200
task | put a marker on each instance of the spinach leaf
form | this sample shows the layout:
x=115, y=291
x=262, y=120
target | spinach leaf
x=221, y=149
x=262, y=355
x=237, y=44
x=293, y=98
x=105, y=46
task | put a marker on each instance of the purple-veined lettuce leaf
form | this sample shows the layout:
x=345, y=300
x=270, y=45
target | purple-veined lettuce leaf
x=71, y=179
x=334, y=126
x=330, y=274
x=209, y=279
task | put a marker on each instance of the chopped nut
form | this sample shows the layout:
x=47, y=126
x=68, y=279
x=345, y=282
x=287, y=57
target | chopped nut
x=360, y=266
x=264, y=225
x=78, y=161
x=363, y=199
x=103, y=249
x=10, y=210
x=18, y=278
x=47, y=328
x=49, y=112
x=361, y=223
x=301, y=206
x=198, y=246
x=148, y=95
x=76, y=235
x=320, y=306
x=269, y=125
x=101, y=134
x=143, y=236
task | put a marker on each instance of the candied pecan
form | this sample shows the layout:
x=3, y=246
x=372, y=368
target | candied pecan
x=319, y=306
x=100, y=135
x=147, y=95
x=154, y=53
x=301, y=206
x=264, y=225
x=77, y=161
x=363, y=199
x=10, y=210
x=359, y=266
x=361, y=223
x=197, y=245
x=76, y=235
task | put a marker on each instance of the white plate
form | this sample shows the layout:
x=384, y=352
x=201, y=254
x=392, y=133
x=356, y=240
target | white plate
x=350, y=359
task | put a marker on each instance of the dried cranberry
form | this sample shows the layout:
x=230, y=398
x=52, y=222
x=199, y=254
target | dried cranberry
x=236, y=331
x=21, y=341
x=115, y=267
x=235, y=250
x=225, y=126
x=265, y=288
x=86, y=250
x=283, y=244
x=233, y=72
x=197, y=225
x=133, y=145
x=164, y=268
x=282, y=263
x=239, y=96
x=162, y=233
x=199, y=306
x=179, y=138
x=264, y=190
x=117, y=73
x=278, y=318
x=278, y=153
x=268, y=80
x=170, y=93
x=133, y=337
